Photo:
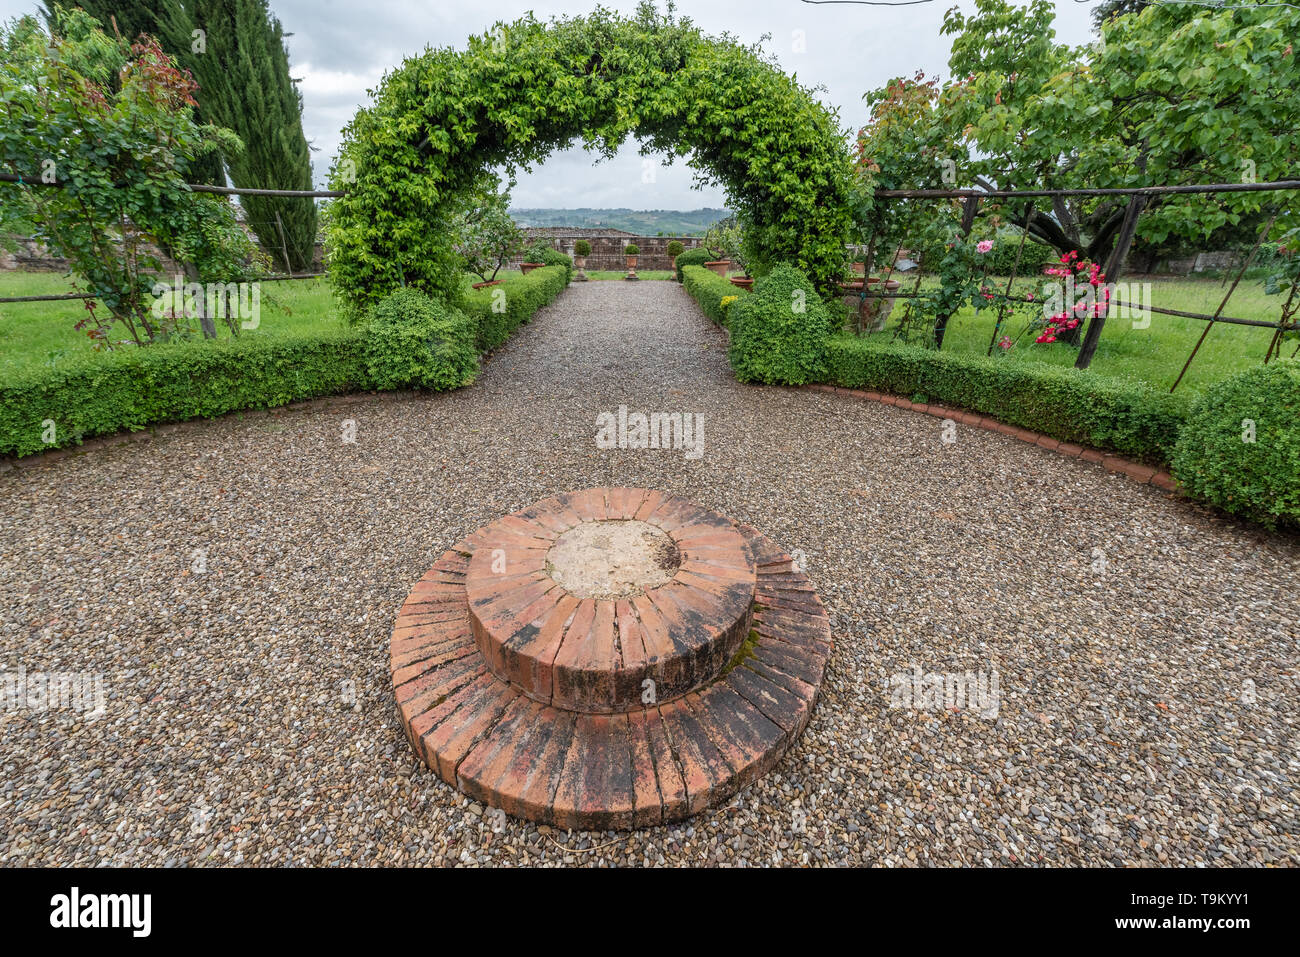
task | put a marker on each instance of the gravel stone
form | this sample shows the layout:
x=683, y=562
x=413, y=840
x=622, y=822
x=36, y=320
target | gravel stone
x=235, y=582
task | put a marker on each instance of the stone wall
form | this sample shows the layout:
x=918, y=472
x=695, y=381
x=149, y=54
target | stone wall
x=607, y=250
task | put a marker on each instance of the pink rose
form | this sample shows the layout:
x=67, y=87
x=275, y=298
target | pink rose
x=984, y=245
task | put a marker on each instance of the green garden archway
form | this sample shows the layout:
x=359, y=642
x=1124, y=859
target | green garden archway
x=527, y=88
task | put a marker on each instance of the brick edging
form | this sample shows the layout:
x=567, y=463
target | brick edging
x=1142, y=474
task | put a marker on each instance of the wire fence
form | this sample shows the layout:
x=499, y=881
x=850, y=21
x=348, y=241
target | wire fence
x=971, y=199
x=1138, y=197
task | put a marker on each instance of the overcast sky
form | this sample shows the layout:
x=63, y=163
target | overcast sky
x=341, y=48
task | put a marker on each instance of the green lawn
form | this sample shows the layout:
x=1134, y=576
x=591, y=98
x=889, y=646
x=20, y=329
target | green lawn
x=41, y=333
x=1154, y=354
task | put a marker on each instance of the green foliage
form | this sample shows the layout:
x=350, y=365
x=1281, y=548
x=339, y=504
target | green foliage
x=102, y=393
x=544, y=253
x=692, y=257
x=582, y=248
x=88, y=393
x=412, y=340
x=726, y=240
x=1001, y=258
x=1240, y=448
x=1130, y=418
x=500, y=310
x=550, y=256
x=242, y=68
x=709, y=289
x=526, y=88
x=481, y=230
x=114, y=122
x=674, y=247
x=1172, y=94
x=631, y=250
x=779, y=333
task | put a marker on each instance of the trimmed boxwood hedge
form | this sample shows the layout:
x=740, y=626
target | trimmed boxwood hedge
x=524, y=295
x=692, y=257
x=103, y=393
x=709, y=289
x=1240, y=448
x=1129, y=418
x=130, y=389
x=412, y=341
x=778, y=334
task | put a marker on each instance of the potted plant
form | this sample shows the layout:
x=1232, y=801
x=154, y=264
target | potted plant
x=724, y=240
x=631, y=251
x=581, y=250
x=674, y=249
x=533, y=257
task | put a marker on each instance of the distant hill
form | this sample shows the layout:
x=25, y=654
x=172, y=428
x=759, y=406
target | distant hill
x=643, y=222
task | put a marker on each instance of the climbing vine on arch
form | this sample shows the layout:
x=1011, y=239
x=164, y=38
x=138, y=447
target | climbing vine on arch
x=526, y=88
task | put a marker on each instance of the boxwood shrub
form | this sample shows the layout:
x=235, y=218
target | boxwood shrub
x=413, y=341
x=548, y=255
x=500, y=310
x=709, y=289
x=1240, y=447
x=1130, y=418
x=779, y=332
x=102, y=393
x=692, y=257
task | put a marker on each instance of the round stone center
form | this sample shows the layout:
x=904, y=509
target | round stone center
x=612, y=559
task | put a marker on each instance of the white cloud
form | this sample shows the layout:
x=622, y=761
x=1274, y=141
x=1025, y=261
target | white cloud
x=340, y=48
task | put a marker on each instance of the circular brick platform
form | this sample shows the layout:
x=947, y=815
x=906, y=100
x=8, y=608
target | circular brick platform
x=609, y=658
x=631, y=630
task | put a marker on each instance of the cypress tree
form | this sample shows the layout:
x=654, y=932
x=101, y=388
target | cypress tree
x=242, y=67
x=244, y=85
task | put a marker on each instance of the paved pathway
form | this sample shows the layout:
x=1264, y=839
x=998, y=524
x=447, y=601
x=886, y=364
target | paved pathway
x=1145, y=651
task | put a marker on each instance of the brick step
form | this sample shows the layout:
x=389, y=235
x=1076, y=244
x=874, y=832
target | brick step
x=599, y=651
x=661, y=762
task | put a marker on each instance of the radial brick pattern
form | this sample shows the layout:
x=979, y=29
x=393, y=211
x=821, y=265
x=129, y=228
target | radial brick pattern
x=608, y=712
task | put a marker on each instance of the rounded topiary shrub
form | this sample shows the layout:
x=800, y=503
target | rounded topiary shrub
x=779, y=333
x=1240, y=447
x=412, y=340
x=582, y=248
x=692, y=257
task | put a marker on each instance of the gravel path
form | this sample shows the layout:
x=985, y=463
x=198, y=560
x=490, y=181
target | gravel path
x=1145, y=650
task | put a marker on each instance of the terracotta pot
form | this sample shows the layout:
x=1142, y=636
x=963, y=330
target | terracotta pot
x=526, y=268
x=719, y=266
x=580, y=262
x=484, y=285
x=744, y=282
x=631, y=264
x=860, y=269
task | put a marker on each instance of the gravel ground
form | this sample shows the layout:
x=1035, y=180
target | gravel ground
x=235, y=581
